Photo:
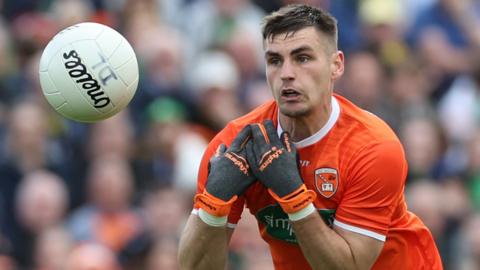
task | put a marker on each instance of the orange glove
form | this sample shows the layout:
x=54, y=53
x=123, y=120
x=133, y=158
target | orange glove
x=274, y=162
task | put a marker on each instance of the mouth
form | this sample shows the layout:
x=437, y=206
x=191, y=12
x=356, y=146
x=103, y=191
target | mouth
x=290, y=93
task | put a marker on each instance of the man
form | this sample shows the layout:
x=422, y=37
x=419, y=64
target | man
x=341, y=205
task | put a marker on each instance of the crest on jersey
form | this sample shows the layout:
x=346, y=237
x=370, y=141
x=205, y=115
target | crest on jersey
x=326, y=181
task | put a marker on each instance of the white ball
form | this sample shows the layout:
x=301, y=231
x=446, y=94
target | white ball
x=88, y=72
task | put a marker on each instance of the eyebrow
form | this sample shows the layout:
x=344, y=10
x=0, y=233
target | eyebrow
x=301, y=49
x=293, y=52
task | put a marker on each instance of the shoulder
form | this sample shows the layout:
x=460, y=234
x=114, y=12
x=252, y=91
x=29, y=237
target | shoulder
x=361, y=126
x=364, y=140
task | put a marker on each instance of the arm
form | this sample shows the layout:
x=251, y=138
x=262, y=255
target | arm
x=203, y=246
x=325, y=248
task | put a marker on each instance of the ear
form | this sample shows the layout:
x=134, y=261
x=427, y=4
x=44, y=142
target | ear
x=337, y=65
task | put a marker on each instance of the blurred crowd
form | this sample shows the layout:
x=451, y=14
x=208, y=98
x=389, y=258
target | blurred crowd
x=114, y=195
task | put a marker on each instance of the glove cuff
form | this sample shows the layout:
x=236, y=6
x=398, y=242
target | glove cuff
x=302, y=213
x=295, y=201
x=213, y=205
x=212, y=220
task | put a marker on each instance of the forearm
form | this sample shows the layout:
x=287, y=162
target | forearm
x=202, y=246
x=323, y=247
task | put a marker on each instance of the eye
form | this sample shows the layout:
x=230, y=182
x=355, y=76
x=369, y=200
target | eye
x=303, y=58
x=274, y=61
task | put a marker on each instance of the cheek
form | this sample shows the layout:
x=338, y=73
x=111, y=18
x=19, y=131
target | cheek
x=270, y=79
x=320, y=76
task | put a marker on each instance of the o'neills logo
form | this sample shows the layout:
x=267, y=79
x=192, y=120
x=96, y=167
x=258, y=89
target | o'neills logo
x=78, y=72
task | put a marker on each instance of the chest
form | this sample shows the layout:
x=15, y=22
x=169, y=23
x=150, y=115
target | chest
x=323, y=170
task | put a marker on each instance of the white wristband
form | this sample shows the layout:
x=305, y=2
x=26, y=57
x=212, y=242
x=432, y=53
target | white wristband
x=212, y=220
x=302, y=213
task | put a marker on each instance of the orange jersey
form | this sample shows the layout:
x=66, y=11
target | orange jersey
x=357, y=167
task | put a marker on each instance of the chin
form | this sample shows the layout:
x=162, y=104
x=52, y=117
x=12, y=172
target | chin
x=294, y=112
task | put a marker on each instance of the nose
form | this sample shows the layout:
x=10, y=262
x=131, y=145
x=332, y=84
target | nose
x=287, y=72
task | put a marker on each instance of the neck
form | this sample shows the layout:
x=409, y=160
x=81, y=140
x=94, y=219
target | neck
x=302, y=127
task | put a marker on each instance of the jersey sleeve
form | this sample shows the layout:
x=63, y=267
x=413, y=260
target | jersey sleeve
x=226, y=136
x=374, y=189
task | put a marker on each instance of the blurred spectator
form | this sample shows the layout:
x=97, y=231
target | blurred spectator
x=42, y=201
x=163, y=255
x=425, y=199
x=383, y=27
x=364, y=82
x=52, y=249
x=455, y=196
x=41, y=204
x=414, y=7
x=8, y=66
x=69, y=12
x=172, y=147
x=12, y=9
x=165, y=212
x=27, y=147
x=317, y=3
x=245, y=48
x=442, y=207
x=424, y=146
x=108, y=217
x=455, y=19
x=408, y=93
x=457, y=208
x=469, y=245
x=256, y=94
x=90, y=256
x=31, y=32
x=216, y=95
x=350, y=37
x=111, y=137
x=445, y=35
x=211, y=22
x=171, y=11
x=6, y=261
x=473, y=170
x=162, y=49
x=268, y=6
x=465, y=90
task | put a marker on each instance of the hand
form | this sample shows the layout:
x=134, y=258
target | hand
x=274, y=162
x=229, y=176
x=274, y=159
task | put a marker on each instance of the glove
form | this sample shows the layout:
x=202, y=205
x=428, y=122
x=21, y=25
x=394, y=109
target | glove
x=274, y=163
x=228, y=177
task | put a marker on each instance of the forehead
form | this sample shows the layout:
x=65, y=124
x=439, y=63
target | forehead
x=289, y=41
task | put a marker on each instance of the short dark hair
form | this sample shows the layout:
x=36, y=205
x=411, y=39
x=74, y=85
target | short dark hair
x=292, y=18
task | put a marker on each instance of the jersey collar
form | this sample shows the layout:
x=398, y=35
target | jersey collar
x=320, y=133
